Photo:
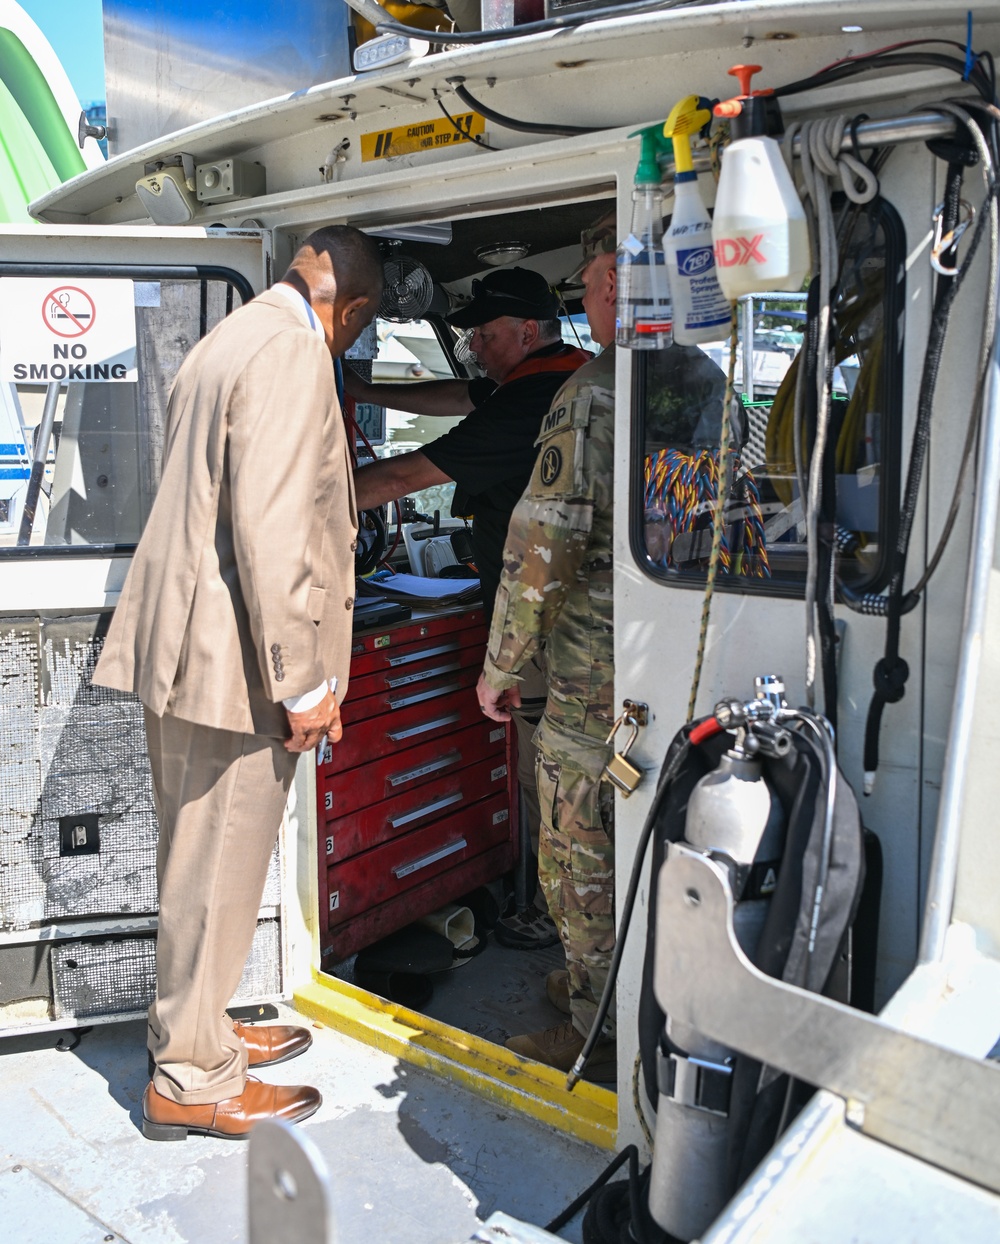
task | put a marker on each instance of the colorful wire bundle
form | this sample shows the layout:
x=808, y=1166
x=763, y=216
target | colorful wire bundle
x=682, y=488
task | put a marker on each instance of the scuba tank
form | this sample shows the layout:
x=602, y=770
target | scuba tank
x=759, y=228
x=701, y=310
x=773, y=810
x=644, y=315
x=734, y=817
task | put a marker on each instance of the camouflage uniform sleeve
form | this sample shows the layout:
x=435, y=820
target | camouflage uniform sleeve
x=547, y=539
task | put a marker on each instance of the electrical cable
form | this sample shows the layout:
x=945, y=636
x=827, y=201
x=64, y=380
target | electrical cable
x=604, y=1005
x=986, y=340
x=891, y=672
x=895, y=47
x=567, y=21
x=511, y=123
x=850, y=69
x=455, y=125
x=629, y=1154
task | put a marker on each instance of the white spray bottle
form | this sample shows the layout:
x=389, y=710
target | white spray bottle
x=702, y=312
x=759, y=227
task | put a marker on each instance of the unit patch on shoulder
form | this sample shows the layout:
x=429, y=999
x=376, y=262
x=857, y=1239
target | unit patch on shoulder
x=550, y=466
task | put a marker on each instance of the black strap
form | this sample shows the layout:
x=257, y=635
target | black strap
x=891, y=672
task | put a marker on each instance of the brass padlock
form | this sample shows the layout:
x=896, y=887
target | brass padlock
x=619, y=769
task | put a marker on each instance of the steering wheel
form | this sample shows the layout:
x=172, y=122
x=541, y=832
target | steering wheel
x=371, y=541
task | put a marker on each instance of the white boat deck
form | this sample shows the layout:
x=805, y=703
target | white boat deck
x=411, y=1157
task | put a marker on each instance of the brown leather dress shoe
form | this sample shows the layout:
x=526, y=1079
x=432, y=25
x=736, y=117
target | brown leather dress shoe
x=275, y=1043
x=232, y=1119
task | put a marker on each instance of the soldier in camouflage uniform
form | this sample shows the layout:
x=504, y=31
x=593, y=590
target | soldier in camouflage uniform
x=557, y=589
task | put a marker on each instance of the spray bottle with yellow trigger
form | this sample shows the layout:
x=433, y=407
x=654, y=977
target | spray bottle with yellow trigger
x=759, y=228
x=644, y=316
x=701, y=310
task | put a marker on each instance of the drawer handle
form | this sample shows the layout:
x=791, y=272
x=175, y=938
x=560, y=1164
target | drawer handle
x=433, y=693
x=404, y=679
x=425, y=810
x=432, y=766
x=404, y=870
x=409, y=657
x=398, y=735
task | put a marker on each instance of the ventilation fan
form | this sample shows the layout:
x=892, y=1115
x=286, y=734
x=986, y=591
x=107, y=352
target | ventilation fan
x=408, y=290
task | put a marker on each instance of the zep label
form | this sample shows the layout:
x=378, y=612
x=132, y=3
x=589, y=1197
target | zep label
x=70, y=330
x=695, y=260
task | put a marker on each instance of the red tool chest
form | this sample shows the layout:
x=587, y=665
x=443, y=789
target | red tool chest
x=417, y=803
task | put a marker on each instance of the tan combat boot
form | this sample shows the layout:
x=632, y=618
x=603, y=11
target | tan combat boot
x=560, y=1047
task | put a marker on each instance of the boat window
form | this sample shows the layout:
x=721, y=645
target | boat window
x=576, y=332
x=82, y=416
x=412, y=352
x=678, y=396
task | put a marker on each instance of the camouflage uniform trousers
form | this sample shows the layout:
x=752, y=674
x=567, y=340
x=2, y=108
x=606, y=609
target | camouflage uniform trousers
x=534, y=689
x=576, y=870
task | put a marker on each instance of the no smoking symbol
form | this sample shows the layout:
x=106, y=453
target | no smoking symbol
x=68, y=311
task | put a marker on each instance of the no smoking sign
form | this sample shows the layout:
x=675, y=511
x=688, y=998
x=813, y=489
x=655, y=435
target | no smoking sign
x=76, y=331
x=68, y=311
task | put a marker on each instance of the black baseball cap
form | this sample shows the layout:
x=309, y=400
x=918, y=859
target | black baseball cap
x=518, y=292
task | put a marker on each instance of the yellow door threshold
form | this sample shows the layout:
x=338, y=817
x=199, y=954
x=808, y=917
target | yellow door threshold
x=589, y=1113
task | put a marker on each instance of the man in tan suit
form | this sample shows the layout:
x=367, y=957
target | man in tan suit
x=234, y=628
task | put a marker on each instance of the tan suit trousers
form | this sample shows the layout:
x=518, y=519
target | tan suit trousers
x=219, y=799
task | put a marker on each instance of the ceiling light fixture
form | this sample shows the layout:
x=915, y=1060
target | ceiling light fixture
x=499, y=253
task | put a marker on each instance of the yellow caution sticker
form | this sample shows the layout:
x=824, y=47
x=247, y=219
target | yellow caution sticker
x=421, y=136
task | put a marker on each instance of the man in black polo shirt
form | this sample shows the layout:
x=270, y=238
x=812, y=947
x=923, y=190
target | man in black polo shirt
x=490, y=455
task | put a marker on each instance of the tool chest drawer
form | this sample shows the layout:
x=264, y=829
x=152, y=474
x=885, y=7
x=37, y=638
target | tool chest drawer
x=367, y=737
x=405, y=771
x=417, y=803
x=415, y=671
x=361, y=830
x=357, y=884
x=405, y=641
x=439, y=680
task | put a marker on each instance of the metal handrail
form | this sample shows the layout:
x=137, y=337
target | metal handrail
x=947, y=838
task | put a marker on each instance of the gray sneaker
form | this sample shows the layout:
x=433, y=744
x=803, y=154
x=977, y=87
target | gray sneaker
x=530, y=929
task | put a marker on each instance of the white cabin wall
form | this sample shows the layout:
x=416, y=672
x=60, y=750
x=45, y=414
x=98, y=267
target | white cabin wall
x=657, y=626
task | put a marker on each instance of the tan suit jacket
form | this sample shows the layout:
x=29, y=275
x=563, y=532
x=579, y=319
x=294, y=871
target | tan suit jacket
x=242, y=587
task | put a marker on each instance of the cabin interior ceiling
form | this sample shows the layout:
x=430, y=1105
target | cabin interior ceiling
x=540, y=229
